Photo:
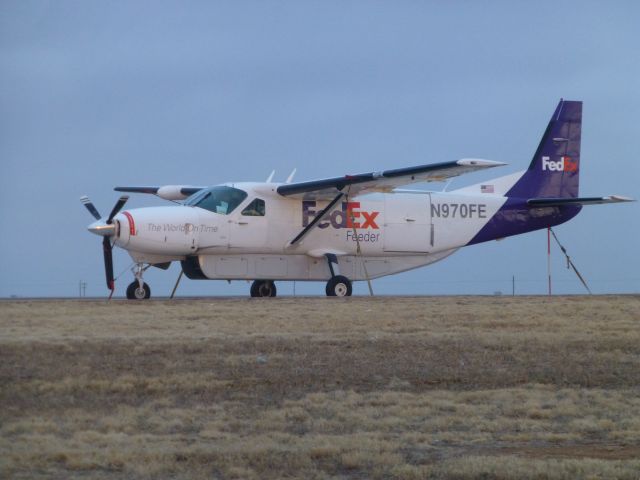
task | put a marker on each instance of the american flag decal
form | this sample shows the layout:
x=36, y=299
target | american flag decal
x=486, y=188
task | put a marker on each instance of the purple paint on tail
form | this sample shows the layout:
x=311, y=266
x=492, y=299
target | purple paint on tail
x=555, y=168
x=553, y=173
x=515, y=218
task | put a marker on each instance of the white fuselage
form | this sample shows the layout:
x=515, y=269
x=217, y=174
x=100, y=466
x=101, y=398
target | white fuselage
x=373, y=236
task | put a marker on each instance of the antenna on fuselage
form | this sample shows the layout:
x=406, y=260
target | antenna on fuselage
x=290, y=177
x=270, y=177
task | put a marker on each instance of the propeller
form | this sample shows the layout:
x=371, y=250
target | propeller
x=117, y=207
x=108, y=263
x=92, y=210
x=106, y=229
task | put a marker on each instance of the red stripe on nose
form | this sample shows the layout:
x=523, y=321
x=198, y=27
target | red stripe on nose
x=132, y=224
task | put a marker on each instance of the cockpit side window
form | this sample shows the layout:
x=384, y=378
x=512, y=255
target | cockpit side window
x=255, y=209
x=222, y=199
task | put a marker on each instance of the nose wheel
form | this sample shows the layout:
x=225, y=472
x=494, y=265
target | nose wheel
x=138, y=289
x=137, y=292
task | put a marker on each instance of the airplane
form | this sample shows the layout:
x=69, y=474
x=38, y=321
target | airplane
x=347, y=228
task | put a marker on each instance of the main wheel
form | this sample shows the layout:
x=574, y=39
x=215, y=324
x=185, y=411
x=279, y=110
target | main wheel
x=339, y=286
x=134, y=292
x=263, y=288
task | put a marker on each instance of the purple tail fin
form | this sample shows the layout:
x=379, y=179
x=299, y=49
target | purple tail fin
x=555, y=169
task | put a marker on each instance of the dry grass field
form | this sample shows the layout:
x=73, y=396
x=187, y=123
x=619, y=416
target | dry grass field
x=314, y=388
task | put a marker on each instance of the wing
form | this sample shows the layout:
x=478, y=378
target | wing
x=384, y=181
x=558, y=202
x=168, y=192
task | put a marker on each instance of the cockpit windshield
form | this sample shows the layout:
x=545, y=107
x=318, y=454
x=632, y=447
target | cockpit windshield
x=221, y=199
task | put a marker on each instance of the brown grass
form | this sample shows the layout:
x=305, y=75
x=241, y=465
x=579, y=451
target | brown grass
x=456, y=387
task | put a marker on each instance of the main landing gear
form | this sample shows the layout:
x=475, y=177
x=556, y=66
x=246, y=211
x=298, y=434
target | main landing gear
x=338, y=285
x=263, y=288
x=138, y=289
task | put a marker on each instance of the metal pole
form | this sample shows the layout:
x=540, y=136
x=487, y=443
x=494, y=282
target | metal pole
x=513, y=285
x=570, y=264
x=549, y=257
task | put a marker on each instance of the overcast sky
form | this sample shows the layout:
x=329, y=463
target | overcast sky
x=99, y=94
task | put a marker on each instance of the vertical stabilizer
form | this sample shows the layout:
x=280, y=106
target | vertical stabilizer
x=555, y=168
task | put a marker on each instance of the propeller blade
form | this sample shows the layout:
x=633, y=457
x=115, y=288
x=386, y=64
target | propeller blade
x=117, y=207
x=92, y=210
x=108, y=263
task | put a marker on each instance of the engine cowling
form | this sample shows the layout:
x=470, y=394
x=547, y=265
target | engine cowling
x=175, y=192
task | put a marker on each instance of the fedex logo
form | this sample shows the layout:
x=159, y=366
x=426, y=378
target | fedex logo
x=565, y=164
x=340, y=218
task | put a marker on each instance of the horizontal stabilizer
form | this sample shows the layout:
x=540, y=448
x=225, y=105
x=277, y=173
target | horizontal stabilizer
x=558, y=202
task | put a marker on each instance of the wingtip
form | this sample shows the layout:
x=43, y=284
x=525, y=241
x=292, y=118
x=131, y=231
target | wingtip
x=620, y=198
x=479, y=162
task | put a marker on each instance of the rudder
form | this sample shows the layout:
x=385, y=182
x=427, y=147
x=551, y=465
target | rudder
x=554, y=171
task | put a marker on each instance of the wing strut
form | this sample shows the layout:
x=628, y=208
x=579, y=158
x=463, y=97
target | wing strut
x=175, y=287
x=358, y=249
x=317, y=219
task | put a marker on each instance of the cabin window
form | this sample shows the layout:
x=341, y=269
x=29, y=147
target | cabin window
x=254, y=209
x=221, y=199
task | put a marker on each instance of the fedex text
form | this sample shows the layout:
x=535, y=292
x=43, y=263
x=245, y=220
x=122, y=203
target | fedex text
x=565, y=164
x=348, y=216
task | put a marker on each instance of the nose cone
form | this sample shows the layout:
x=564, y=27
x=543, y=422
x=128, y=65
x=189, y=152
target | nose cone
x=101, y=228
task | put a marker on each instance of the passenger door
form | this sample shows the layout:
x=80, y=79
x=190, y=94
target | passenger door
x=248, y=227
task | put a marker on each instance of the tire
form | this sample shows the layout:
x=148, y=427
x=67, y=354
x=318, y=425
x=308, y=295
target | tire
x=263, y=288
x=339, y=286
x=134, y=292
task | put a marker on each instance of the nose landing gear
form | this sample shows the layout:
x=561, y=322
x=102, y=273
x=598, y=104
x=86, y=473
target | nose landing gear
x=137, y=292
x=138, y=289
